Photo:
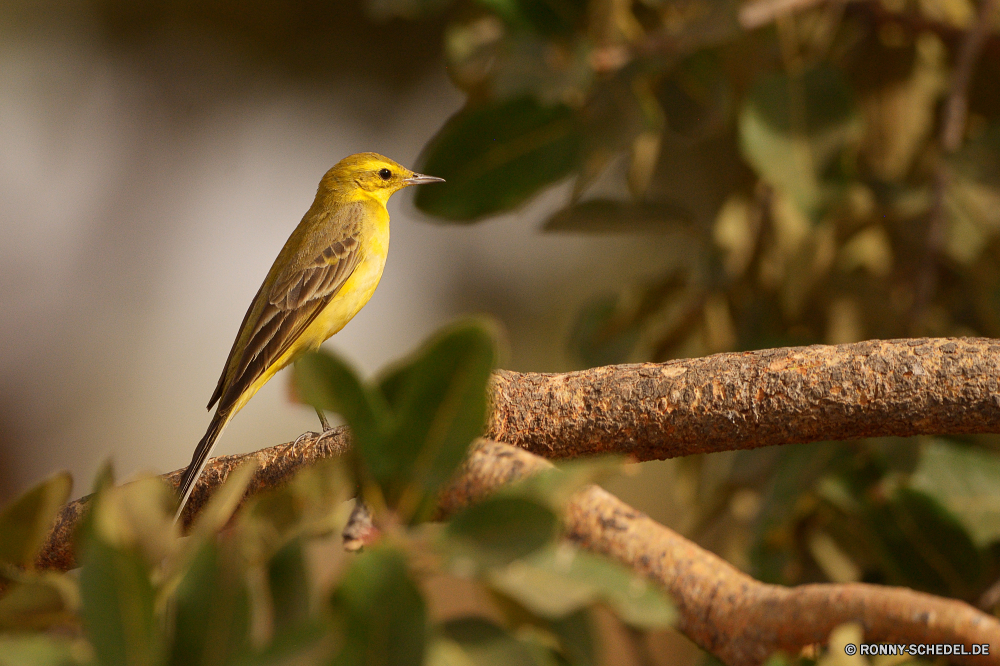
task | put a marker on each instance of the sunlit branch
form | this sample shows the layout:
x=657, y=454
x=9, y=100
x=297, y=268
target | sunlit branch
x=738, y=619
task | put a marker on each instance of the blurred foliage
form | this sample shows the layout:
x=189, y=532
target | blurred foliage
x=243, y=587
x=797, y=160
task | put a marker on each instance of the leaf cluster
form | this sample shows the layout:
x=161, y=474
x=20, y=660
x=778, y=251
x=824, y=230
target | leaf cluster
x=798, y=163
x=268, y=582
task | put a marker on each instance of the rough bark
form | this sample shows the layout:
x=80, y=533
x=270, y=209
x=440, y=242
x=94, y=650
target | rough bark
x=744, y=400
x=722, y=402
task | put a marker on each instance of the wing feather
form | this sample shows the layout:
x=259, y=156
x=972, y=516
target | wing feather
x=290, y=305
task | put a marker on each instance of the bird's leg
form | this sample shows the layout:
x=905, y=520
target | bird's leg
x=322, y=419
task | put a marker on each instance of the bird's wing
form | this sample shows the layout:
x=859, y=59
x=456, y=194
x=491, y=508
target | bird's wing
x=279, y=315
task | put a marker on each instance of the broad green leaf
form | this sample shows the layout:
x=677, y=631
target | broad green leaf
x=547, y=17
x=485, y=644
x=554, y=487
x=561, y=580
x=796, y=471
x=312, y=504
x=307, y=644
x=329, y=383
x=37, y=601
x=212, y=608
x=608, y=216
x=495, y=157
x=921, y=545
x=438, y=398
x=118, y=598
x=575, y=633
x=41, y=650
x=964, y=480
x=139, y=515
x=793, y=131
x=382, y=613
x=224, y=501
x=288, y=580
x=25, y=522
x=501, y=529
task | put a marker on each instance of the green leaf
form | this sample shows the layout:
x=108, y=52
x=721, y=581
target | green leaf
x=964, y=480
x=561, y=580
x=224, y=501
x=383, y=615
x=118, y=600
x=554, y=487
x=926, y=547
x=609, y=216
x=288, y=579
x=38, y=601
x=575, y=635
x=25, y=522
x=495, y=157
x=796, y=472
x=793, y=131
x=501, y=529
x=329, y=383
x=548, y=17
x=485, y=644
x=438, y=398
x=212, y=616
x=40, y=650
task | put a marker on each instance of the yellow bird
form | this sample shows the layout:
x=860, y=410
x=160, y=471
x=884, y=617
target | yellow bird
x=325, y=273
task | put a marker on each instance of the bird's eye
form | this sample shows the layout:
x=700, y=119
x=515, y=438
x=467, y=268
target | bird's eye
x=384, y=174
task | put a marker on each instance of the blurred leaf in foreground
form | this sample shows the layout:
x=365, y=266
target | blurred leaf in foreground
x=25, y=522
x=415, y=425
x=382, y=612
x=501, y=529
x=562, y=579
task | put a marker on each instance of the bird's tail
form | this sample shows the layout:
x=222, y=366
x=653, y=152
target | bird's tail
x=200, y=458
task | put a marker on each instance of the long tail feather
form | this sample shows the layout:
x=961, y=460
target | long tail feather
x=200, y=459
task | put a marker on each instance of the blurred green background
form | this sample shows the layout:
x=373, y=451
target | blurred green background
x=627, y=181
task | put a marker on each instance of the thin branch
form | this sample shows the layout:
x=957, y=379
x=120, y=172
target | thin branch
x=738, y=619
x=744, y=400
x=276, y=464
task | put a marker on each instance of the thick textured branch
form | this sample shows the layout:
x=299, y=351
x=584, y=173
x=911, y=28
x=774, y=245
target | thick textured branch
x=923, y=386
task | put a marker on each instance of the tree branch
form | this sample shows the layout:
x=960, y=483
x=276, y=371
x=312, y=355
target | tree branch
x=744, y=400
x=738, y=619
x=925, y=386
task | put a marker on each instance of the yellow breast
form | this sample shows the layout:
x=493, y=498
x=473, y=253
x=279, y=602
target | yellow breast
x=353, y=296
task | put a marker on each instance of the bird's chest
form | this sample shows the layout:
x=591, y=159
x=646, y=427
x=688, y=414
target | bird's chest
x=358, y=288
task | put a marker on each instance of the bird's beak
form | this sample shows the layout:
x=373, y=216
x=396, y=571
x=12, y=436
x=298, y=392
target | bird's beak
x=421, y=179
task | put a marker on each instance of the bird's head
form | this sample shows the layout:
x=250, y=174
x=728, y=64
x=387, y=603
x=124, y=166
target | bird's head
x=371, y=174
